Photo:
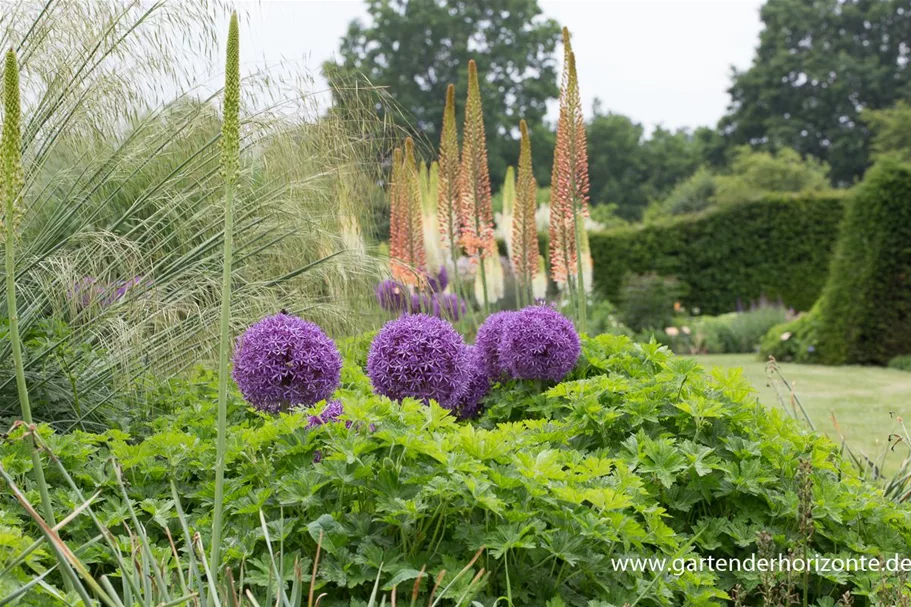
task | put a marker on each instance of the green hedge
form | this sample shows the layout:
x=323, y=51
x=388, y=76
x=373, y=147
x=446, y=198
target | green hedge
x=865, y=309
x=778, y=247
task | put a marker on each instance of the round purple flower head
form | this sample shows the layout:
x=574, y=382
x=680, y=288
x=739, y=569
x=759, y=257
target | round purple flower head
x=283, y=361
x=392, y=296
x=539, y=343
x=488, y=343
x=473, y=385
x=416, y=355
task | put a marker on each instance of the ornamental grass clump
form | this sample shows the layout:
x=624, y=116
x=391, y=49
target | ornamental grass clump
x=539, y=343
x=415, y=356
x=490, y=334
x=284, y=361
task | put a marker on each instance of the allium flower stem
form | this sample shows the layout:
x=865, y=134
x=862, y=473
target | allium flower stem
x=10, y=184
x=230, y=141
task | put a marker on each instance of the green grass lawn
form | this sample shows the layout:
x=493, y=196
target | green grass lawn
x=859, y=398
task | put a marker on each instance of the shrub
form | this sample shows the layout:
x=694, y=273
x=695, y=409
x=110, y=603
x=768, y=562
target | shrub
x=794, y=341
x=647, y=301
x=737, y=332
x=865, y=308
x=778, y=246
x=694, y=194
x=639, y=454
x=901, y=362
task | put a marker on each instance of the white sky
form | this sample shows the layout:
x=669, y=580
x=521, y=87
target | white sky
x=661, y=62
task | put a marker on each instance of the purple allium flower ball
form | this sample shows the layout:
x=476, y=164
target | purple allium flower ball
x=539, y=343
x=488, y=343
x=283, y=361
x=392, y=296
x=474, y=384
x=438, y=283
x=416, y=355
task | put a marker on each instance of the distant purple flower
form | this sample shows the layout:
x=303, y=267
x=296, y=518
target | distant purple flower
x=330, y=413
x=416, y=355
x=392, y=296
x=122, y=286
x=88, y=290
x=539, y=343
x=420, y=303
x=473, y=385
x=449, y=306
x=541, y=301
x=84, y=291
x=488, y=343
x=283, y=361
x=438, y=283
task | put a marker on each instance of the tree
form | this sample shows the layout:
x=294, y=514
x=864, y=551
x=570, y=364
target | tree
x=891, y=130
x=750, y=176
x=616, y=164
x=417, y=47
x=629, y=170
x=818, y=65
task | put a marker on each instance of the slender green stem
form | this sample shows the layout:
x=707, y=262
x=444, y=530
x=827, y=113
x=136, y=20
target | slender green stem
x=11, y=182
x=484, y=286
x=580, y=280
x=224, y=347
x=231, y=152
x=15, y=342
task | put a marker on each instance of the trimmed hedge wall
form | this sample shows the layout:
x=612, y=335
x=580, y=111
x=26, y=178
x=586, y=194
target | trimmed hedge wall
x=778, y=246
x=865, y=309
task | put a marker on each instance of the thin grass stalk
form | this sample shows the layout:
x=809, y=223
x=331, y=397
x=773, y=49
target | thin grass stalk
x=11, y=182
x=231, y=160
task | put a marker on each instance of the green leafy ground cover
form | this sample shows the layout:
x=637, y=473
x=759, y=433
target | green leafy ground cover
x=638, y=453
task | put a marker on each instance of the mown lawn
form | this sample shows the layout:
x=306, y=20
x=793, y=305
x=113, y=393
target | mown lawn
x=860, y=399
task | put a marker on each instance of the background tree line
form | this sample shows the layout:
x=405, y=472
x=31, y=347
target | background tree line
x=824, y=94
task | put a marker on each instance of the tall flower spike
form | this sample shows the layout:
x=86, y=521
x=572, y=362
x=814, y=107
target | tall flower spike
x=505, y=220
x=524, y=228
x=409, y=255
x=10, y=198
x=230, y=142
x=569, y=183
x=430, y=182
x=476, y=210
x=398, y=218
x=448, y=201
x=11, y=181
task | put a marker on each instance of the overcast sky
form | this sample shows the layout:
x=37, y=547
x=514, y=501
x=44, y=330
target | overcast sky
x=662, y=62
